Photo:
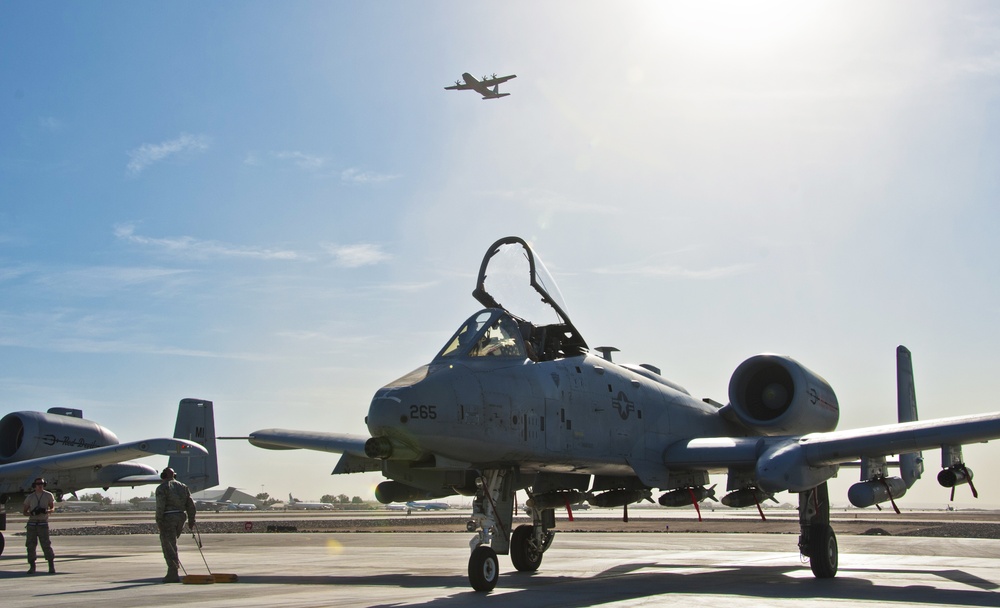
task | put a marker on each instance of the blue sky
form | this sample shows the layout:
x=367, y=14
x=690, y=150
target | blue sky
x=276, y=206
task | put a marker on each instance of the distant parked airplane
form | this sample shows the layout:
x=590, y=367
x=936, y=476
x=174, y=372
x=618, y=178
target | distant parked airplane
x=482, y=86
x=216, y=505
x=296, y=504
x=427, y=506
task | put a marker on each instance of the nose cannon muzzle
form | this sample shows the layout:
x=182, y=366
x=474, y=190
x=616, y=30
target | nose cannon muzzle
x=383, y=448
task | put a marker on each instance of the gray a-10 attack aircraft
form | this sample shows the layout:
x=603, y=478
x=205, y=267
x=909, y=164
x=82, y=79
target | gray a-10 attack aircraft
x=512, y=404
x=72, y=453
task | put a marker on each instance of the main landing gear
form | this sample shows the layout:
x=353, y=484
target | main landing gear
x=816, y=539
x=493, y=516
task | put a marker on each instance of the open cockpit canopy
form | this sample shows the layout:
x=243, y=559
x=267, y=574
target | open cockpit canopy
x=531, y=321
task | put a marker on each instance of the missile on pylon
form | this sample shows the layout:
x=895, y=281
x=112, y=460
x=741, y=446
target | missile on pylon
x=555, y=500
x=745, y=497
x=955, y=475
x=876, y=491
x=682, y=497
x=617, y=498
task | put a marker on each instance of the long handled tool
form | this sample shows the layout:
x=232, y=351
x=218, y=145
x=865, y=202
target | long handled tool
x=212, y=577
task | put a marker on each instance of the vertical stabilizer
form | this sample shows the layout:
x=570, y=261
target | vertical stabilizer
x=911, y=465
x=196, y=423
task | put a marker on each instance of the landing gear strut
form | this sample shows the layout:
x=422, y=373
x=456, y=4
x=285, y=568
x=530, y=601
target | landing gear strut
x=492, y=515
x=816, y=539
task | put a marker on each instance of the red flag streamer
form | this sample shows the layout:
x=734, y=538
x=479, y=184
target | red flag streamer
x=694, y=501
x=569, y=510
x=889, y=492
x=968, y=474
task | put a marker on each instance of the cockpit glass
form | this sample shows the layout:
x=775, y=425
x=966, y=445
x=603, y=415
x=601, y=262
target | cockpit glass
x=486, y=336
x=466, y=334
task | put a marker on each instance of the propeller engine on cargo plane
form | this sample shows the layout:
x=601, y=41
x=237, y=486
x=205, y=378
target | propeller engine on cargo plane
x=517, y=400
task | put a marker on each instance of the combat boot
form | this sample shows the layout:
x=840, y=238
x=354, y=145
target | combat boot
x=52, y=567
x=31, y=567
x=171, y=576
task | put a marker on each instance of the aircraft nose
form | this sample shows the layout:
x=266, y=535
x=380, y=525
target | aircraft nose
x=420, y=404
x=387, y=411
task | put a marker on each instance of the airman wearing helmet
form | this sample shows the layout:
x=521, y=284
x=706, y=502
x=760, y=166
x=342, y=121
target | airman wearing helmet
x=173, y=506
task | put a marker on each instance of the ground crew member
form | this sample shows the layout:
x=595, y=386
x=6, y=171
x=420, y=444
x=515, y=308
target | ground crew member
x=173, y=506
x=37, y=507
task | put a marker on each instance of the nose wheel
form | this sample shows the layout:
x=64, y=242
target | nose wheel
x=484, y=569
x=817, y=540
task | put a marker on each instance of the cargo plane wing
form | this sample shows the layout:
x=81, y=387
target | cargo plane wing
x=517, y=400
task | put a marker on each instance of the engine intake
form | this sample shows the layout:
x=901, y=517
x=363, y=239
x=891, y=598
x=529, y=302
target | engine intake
x=776, y=395
x=27, y=435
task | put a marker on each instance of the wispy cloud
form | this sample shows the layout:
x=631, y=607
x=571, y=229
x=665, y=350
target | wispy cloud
x=358, y=255
x=147, y=154
x=9, y=273
x=307, y=162
x=985, y=65
x=546, y=201
x=198, y=248
x=358, y=176
x=50, y=123
x=651, y=268
x=70, y=331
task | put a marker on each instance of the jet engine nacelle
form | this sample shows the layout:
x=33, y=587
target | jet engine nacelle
x=875, y=491
x=26, y=435
x=776, y=395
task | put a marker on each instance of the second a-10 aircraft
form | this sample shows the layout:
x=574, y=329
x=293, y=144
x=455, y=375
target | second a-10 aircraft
x=516, y=401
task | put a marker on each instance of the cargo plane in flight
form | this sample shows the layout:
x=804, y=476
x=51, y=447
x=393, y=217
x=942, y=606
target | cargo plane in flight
x=517, y=400
x=482, y=86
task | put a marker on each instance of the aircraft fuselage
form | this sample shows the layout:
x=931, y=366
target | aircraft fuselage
x=581, y=414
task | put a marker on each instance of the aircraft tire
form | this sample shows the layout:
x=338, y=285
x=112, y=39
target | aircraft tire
x=524, y=557
x=823, y=556
x=1, y=544
x=484, y=569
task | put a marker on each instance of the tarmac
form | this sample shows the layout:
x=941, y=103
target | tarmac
x=389, y=569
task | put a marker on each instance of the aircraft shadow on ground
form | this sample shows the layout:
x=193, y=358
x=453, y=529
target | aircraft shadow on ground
x=638, y=581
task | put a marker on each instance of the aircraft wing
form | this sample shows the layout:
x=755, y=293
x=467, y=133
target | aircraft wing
x=495, y=81
x=352, y=447
x=783, y=463
x=286, y=439
x=459, y=87
x=110, y=454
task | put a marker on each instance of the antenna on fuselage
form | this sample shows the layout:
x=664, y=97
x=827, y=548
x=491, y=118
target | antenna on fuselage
x=606, y=351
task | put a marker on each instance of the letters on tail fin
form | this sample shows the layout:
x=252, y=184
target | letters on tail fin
x=911, y=465
x=196, y=423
